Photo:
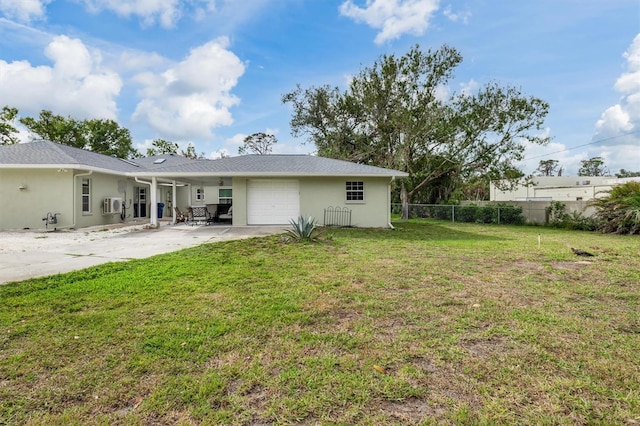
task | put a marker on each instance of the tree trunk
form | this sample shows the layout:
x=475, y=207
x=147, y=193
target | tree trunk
x=404, y=199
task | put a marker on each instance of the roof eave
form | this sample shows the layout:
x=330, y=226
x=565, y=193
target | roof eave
x=262, y=174
x=65, y=167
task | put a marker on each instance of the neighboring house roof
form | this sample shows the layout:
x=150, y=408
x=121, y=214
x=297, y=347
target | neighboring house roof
x=47, y=154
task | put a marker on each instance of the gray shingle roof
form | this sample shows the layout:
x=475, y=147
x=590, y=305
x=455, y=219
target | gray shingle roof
x=44, y=153
x=51, y=154
x=276, y=165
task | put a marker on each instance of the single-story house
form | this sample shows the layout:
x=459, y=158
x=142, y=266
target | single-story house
x=48, y=185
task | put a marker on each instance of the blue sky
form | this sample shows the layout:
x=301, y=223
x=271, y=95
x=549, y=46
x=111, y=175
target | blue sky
x=211, y=72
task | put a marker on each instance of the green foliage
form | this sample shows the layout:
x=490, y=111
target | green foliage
x=391, y=117
x=258, y=143
x=549, y=168
x=500, y=213
x=593, y=167
x=190, y=152
x=559, y=218
x=627, y=173
x=619, y=211
x=161, y=146
x=302, y=229
x=7, y=130
x=97, y=135
x=556, y=213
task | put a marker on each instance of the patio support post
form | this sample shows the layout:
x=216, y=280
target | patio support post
x=174, y=201
x=154, y=202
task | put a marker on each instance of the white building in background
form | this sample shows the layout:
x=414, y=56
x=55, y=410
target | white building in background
x=558, y=188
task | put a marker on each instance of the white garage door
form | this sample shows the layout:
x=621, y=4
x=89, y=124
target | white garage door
x=272, y=201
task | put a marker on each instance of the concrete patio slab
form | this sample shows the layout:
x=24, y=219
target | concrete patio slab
x=30, y=254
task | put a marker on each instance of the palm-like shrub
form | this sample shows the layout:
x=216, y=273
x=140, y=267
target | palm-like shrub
x=302, y=229
x=619, y=212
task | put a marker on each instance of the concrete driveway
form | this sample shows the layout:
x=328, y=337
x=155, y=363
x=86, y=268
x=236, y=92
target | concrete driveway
x=30, y=254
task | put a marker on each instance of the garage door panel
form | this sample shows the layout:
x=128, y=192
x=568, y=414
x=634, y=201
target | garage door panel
x=272, y=202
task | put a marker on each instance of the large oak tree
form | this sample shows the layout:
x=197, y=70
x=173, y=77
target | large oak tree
x=393, y=115
x=97, y=135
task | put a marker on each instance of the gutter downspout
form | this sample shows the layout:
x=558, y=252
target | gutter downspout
x=393, y=178
x=73, y=204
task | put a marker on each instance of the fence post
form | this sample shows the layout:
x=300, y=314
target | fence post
x=498, y=215
x=453, y=213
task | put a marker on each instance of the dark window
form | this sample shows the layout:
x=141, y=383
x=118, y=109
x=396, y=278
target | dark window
x=86, y=195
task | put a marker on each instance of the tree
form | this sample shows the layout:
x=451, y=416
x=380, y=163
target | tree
x=549, y=168
x=161, y=146
x=619, y=211
x=56, y=128
x=108, y=138
x=593, y=167
x=7, y=117
x=190, y=152
x=258, y=143
x=391, y=116
x=98, y=135
x=627, y=173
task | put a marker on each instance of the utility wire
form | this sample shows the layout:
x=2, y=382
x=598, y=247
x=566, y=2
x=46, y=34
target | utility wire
x=580, y=146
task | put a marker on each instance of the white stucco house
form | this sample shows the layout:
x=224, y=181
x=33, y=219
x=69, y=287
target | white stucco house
x=46, y=184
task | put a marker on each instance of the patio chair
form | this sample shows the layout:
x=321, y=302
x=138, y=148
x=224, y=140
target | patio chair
x=227, y=216
x=180, y=217
x=199, y=214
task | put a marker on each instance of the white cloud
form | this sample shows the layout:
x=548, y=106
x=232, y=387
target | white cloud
x=220, y=153
x=624, y=117
x=164, y=12
x=194, y=96
x=469, y=87
x=23, y=10
x=76, y=84
x=130, y=60
x=393, y=18
x=459, y=16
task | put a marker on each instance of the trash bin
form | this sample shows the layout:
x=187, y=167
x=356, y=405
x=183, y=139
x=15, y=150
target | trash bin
x=160, y=208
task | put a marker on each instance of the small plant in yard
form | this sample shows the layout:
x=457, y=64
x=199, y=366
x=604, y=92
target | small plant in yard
x=302, y=229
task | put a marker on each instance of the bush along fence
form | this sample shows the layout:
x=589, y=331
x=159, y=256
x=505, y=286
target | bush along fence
x=494, y=213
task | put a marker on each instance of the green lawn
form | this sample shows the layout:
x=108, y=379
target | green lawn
x=433, y=323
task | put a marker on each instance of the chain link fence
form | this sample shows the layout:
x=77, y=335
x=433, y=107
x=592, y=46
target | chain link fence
x=490, y=213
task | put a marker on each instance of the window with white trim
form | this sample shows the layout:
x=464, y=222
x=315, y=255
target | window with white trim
x=354, y=192
x=86, y=195
x=200, y=194
x=225, y=195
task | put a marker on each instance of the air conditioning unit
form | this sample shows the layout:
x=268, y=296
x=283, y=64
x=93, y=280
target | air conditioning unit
x=112, y=205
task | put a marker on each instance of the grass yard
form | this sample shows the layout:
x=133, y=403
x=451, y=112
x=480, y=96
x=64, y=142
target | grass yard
x=433, y=323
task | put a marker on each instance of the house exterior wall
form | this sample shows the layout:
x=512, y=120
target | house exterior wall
x=46, y=190
x=53, y=191
x=316, y=195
